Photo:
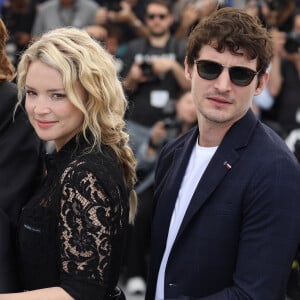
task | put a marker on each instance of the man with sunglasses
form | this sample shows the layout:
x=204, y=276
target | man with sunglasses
x=226, y=219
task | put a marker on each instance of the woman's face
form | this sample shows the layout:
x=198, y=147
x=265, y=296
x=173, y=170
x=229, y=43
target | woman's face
x=50, y=112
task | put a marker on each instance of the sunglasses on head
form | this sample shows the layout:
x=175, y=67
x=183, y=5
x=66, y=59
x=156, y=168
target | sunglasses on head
x=153, y=16
x=211, y=70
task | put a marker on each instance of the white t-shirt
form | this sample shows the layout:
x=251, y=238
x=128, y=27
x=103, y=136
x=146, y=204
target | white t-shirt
x=198, y=162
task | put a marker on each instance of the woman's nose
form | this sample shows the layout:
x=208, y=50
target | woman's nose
x=41, y=106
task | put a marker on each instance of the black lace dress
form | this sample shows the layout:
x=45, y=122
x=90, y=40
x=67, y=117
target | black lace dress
x=72, y=232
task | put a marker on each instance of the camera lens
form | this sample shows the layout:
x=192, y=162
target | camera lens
x=147, y=69
x=292, y=43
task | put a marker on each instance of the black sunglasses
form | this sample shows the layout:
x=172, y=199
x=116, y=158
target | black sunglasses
x=153, y=16
x=210, y=70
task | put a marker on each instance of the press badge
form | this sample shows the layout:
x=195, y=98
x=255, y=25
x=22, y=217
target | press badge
x=159, y=99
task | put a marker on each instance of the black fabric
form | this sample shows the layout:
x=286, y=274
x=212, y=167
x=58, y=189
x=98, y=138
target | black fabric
x=138, y=242
x=8, y=282
x=20, y=154
x=71, y=233
x=19, y=165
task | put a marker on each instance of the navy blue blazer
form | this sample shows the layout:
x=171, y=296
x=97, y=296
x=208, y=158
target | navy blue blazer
x=242, y=227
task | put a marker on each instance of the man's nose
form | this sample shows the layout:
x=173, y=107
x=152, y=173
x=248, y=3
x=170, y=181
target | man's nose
x=223, y=81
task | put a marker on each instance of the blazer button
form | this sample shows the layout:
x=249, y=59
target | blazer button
x=172, y=285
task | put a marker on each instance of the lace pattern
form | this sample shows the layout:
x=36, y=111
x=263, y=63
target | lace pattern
x=91, y=218
x=72, y=232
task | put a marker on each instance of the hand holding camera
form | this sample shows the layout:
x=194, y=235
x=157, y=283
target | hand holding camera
x=289, y=41
x=162, y=65
x=158, y=135
x=147, y=69
x=173, y=126
x=279, y=39
x=165, y=130
x=292, y=42
x=121, y=12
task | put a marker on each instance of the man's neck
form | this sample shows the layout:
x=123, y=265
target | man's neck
x=212, y=136
x=159, y=41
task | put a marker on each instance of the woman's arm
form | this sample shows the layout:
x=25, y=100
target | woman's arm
x=53, y=293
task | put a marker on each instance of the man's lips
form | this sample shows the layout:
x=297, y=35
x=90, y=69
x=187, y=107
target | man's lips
x=219, y=100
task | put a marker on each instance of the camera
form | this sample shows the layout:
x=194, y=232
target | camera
x=147, y=69
x=292, y=43
x=276, y=4
x=114, y=5
x=173, y=127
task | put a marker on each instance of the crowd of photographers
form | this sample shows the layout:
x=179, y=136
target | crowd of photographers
x=147, y=38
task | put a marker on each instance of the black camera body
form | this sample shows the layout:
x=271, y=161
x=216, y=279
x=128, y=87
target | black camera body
x=292, y=43
x=173, y=127
x=147, y=69
x=113, y=5
x=276, y=4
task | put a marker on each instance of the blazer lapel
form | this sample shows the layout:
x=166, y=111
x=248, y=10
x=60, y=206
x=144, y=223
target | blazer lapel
x=222, y=162
x=165, y=208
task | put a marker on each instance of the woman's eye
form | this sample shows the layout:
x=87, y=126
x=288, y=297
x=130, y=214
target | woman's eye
x=30, y=93
x=58, y=96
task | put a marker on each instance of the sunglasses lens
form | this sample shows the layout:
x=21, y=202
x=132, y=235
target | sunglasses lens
x=241, y=76
x=153, y=16
x=208, y=70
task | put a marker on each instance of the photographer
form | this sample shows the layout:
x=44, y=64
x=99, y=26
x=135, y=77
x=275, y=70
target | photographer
x=277, y=13
x=126, y=14
x=187, y=14
x=180, y=120
x=153, y=71
x=60, y=13
x=18, y=17
x=284, y=81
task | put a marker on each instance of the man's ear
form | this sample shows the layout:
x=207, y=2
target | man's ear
x=262, y=82
x=187, y=70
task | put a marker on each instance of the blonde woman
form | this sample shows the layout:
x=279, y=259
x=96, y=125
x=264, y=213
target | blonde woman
x=72, y=231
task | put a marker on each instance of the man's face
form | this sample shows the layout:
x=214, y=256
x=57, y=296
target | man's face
x=158, y=19
x=220, y=101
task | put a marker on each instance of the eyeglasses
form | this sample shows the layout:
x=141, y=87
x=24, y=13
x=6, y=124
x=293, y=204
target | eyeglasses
x=211, y=70
x=153, y=16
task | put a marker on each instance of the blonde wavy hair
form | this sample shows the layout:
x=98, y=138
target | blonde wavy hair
x=7, y=70
x=79, y=58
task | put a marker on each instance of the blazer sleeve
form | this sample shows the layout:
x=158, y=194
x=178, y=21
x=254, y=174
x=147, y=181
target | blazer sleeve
x=19, y=159
x=269, y=237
